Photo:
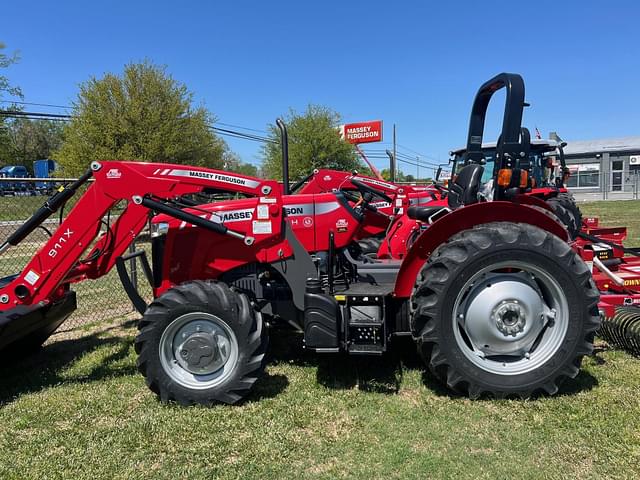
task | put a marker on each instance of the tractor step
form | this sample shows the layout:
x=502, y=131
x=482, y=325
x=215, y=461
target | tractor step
x=365, y=327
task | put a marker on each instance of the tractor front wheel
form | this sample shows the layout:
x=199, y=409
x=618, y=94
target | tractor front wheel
x=201, y=343
x=504, y=310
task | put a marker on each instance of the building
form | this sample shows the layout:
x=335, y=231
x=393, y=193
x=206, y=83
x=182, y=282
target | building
x=604, y=165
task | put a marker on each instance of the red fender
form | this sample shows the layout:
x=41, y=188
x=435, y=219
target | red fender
x=534, y=201
x=464, y=219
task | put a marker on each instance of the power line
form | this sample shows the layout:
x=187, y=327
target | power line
x=65, y=118
x=36, y=104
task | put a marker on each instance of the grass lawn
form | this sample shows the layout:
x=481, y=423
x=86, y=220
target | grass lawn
x=79, y=409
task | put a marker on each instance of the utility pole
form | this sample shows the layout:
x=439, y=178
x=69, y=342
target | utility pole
x=395, y=156
x=418, y=167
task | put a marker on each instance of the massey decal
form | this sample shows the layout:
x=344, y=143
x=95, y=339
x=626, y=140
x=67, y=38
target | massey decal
x=114, y=173
x=217, y=177
x=232, y=216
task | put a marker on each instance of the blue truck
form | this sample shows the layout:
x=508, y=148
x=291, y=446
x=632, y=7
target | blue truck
x=43, y=169
x=12, y=187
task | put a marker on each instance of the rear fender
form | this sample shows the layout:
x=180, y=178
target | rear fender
x=463, y=219
x=533, y=201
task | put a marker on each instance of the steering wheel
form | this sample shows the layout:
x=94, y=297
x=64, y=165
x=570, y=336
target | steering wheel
x=367, y=193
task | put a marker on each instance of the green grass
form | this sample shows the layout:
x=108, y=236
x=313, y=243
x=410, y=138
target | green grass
x=79, y=409
x=618, y=213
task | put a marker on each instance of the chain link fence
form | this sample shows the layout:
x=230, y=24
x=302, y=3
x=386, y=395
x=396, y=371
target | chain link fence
x=98, y=300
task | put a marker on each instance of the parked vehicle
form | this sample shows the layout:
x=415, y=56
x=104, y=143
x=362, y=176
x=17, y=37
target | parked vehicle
x=15, y=187
x=491, y=312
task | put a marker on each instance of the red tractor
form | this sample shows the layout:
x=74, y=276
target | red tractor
x=495, y=299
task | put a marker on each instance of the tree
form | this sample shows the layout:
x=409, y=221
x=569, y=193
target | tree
x=142, y=115
x=6, y=88
x=233, y=163
x=401, y=177
x=33, y=140
x=314, y=142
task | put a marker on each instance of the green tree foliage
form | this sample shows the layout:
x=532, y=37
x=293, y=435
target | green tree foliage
x=143, y=114
x=33, y=140
x=401, y=177
x=233, y=163
x=6, y=88
x=314, y=142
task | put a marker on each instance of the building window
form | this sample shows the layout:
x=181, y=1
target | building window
x=586, y=175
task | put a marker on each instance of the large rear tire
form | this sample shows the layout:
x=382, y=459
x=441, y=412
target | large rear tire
x=504, y=310
x=567, y=218
x=201, y=343
x=569, y=203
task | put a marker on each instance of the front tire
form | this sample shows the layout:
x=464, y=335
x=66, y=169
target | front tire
x=201, y=343
x=504, y=310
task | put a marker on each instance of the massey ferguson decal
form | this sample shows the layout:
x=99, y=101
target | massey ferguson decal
x=378, y=183
x=299, y=209
x=362, y=132
x=232, y=216
x=217, y=177
x=114, y=173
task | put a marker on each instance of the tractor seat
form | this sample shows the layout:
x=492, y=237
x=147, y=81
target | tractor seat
x=426, y=214
x=465, y=188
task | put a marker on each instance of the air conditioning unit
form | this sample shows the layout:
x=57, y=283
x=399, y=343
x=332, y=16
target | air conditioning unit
x=634, y=160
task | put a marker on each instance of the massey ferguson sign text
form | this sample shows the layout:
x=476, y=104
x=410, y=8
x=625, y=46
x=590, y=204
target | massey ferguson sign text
x=363, y=132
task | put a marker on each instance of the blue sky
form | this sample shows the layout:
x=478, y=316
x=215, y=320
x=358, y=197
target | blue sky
x=415, y=64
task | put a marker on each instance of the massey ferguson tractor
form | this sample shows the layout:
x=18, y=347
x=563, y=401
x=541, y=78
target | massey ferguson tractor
x=496, y=300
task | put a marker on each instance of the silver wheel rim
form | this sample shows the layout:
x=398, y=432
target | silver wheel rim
x=198, y=350
x=510, y=322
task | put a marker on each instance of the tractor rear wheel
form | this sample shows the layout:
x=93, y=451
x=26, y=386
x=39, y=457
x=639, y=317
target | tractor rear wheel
x=504, y=310
x=201, y=343
x=565, y=216
x=569, y=202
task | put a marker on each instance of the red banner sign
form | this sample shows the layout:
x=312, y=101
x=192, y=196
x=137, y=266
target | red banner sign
x=362, y=132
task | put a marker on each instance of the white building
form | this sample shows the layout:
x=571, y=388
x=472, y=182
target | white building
x=610, y=164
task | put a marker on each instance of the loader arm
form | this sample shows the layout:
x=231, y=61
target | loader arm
x=146, y=187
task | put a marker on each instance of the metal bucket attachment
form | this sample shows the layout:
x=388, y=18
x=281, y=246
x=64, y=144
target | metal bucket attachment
x=34, y=324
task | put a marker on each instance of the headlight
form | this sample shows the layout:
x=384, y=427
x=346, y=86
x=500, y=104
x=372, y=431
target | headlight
x=159, y=229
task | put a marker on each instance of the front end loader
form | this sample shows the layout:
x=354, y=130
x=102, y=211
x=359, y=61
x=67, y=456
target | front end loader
x=497, y=302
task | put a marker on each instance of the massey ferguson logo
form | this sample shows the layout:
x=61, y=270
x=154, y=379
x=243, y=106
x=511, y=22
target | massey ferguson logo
x=114, y=173
x=233, y=216
x=57, y=247
x=294, y=210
